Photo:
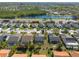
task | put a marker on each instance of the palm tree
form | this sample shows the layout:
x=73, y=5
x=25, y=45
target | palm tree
x=3, y=44
x=50, y=54
x=37, y=49
x=13, y=49
x=30, y=46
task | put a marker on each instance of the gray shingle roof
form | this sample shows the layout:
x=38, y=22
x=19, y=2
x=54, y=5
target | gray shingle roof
x=53, y=39
x=13, y=39
x=39, y=38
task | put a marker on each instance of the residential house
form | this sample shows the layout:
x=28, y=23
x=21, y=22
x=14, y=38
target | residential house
x=53, y=39
x=4, y=52
x=39, y=38
x=13, y=39
x=20, y=55
x=60, y=54
x=26, y=38
x=69, y=41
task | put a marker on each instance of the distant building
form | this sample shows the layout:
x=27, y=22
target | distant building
x=41, y=25
x=34, y=24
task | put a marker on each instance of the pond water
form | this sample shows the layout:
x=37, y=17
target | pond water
x=52, y=16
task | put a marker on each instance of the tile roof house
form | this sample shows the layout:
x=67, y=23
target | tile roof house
x=38, y=55
x=20, y=55
x=26, y=38
x=4, y=52
x=74, y=53
x=60, y=54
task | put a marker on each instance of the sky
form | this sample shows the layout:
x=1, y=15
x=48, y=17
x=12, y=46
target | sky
x=39, y=0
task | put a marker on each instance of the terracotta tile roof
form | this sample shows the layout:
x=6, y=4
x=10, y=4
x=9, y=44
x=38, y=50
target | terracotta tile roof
x=4, y=52
x=20, y=55
x=28, y=36
x=61, y=54
x=38, y=55
x=74, y=53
